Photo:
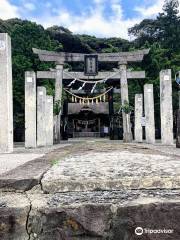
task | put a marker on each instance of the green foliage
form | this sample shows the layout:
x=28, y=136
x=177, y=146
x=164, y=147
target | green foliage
x=162, y=36
x=57, y=107
x=126, y=108
x=25, y=35
x=54, y=162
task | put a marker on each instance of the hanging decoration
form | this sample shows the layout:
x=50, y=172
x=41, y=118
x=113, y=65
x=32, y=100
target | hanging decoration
x=84, y=82
x=82, y=86
x=71, y=83
x=93, y=88
x=87, y=122
x=88, y=100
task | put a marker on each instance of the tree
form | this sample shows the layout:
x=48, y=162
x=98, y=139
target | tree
x=169, y=25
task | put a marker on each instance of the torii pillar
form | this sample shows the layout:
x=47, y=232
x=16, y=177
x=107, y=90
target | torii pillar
x=58, y=100
x=127, y=134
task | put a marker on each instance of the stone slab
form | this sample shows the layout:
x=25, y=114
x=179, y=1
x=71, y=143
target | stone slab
x=113, y=170
x=24, y=169
x=89, y=215
x=12, y=161
x=25, y=176
x=103, y=214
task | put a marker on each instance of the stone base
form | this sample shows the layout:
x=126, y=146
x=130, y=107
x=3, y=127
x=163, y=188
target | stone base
x=127, y=138
x=73, y=209
x=112, y=215
x=14, y=211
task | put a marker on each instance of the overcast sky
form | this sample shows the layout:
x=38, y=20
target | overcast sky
x=102, y=18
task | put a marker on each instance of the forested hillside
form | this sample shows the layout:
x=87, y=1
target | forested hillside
x=161, y=35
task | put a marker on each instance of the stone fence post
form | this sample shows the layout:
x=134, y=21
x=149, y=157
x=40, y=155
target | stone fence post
x=30, y=110
x=138, y=117
x=6, y=98
x=149, y=113
x=166, y=107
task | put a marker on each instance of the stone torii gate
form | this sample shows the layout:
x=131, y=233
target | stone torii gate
x=123, y=58
x=101, y=75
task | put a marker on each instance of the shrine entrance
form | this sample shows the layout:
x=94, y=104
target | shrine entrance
x=88, y=122
x=86, y=105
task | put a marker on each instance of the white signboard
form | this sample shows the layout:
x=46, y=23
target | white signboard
x=143, y=121
x=166, y=78
x=41, y=93
x=29, y=79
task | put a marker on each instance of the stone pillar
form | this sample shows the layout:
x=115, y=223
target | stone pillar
x=149, y=113
x=166, y=107
x=30, y=110
x=58, y=97
x=6, y=99
x=41, y=116
x=138, y=117
x=178, y=130
x=127, y=134
x=49, y=120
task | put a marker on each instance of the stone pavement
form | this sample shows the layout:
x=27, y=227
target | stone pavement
x=113, y=169
x=24, y=168
x=12, y=161
x=92, y=190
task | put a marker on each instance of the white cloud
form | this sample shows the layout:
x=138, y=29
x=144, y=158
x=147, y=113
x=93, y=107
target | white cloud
x=29, y=6
x=91, y=21
x=7, y=10
x=150, y=11
x=94, y=22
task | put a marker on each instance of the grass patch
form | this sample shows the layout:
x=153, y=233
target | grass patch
x=54, y=162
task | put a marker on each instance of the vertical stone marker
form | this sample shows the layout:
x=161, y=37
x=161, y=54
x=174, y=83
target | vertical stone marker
x=30, y=110
x=178, y=130
x=127, y=134
x=166, y=107
x=58, y=97
x=41, y=116
x=6, y=99
x=138, y=117
x=149, y=113
x=49, y=120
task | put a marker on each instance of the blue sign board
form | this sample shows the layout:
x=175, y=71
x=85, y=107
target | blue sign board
x=178, y=80
x=178, y=77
